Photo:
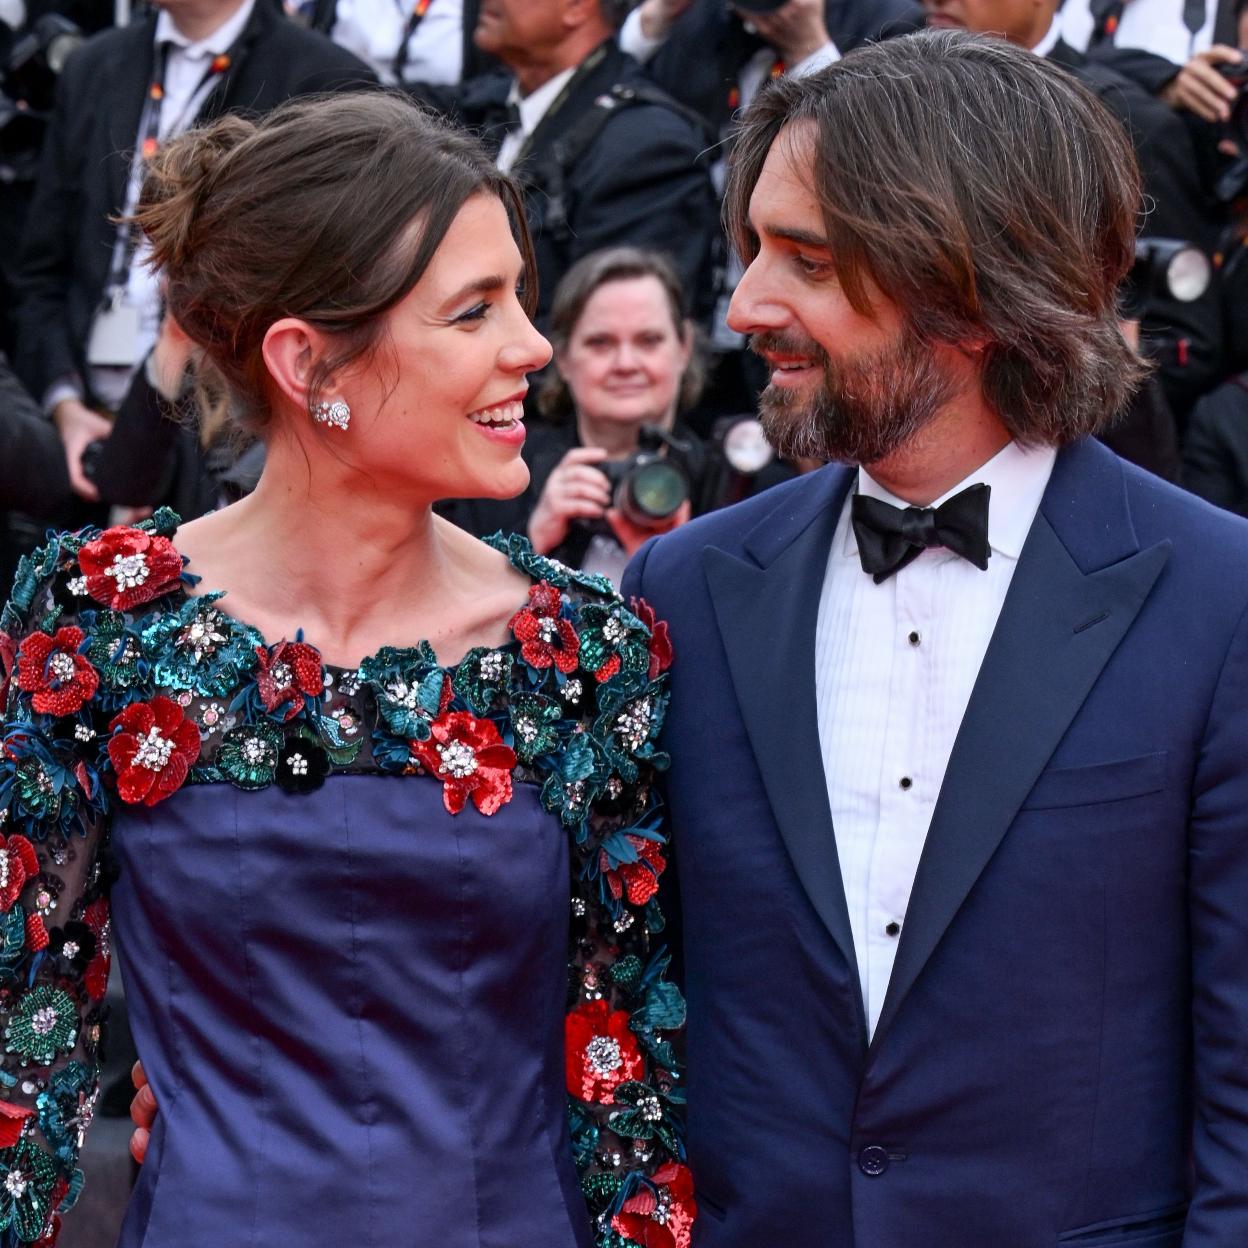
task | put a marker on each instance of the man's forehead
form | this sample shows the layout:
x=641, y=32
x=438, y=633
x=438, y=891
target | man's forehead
x=784, y=193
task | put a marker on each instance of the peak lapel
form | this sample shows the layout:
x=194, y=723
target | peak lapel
x=1080, y=582
x=767, y=610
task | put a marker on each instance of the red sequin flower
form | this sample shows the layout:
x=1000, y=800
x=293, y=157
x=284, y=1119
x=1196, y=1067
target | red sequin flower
x=152, y=748
x=660, y=639
x=52, y=669
x=663, y=1219
x=18, y=864
x=97, y=921
x=289, y=673
x=469, y=757
x=640, y=880
x=125, y=567
x=544, y=637
x=600, y=1052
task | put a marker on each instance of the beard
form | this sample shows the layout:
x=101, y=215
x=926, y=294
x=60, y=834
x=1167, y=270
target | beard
x=865, y=409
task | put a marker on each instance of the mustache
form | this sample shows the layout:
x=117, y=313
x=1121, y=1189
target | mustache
x=780, y=342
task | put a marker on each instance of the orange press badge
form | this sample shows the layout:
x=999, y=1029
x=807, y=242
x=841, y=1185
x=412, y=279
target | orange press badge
x=1111, y=24
x=157, y=92
x=777, y=68
x=220, y=63
x=149, y=148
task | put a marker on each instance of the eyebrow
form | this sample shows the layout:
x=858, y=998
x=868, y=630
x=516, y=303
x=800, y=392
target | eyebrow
x=803, y=238
x=480, y=286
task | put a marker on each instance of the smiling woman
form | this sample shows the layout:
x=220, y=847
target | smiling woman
x=350, y=761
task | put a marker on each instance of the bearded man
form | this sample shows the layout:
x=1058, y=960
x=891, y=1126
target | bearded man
x=958, y=724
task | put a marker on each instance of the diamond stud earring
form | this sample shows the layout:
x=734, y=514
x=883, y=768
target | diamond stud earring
x=337, y=415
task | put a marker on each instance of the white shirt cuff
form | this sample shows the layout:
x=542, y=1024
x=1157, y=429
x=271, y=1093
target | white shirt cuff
x=60, y=390
x=633, y=41
x=829, y=54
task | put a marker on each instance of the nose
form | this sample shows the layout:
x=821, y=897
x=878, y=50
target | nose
x=625, y=357
x=754, y=307
x=527, y=352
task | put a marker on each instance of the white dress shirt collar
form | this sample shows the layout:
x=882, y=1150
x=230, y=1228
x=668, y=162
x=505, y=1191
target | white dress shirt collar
x=219, y=41
x=1017, y=475
x=1051, y=36
x=534, y=106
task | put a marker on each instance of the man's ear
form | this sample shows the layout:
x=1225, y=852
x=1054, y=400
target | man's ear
x=576, y=13
x=291, y=351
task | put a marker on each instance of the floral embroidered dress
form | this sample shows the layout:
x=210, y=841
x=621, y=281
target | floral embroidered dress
x=342, y=902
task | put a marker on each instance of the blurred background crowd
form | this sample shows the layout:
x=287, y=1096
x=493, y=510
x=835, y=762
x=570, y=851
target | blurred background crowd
x=616, y=118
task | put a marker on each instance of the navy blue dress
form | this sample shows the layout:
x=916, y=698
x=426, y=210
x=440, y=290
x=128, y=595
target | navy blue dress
x=389, y=935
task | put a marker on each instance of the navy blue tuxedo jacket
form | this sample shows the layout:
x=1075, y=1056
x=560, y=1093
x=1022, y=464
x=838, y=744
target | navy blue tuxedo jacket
x=1063, y=1052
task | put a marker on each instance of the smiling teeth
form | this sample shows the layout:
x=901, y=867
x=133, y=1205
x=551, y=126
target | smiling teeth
x=501, y=417
x=790, y=368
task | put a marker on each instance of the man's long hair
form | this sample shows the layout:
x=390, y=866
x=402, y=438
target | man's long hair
x=989, y=196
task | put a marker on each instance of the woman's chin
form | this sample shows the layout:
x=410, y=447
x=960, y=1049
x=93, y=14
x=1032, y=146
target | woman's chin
x=504, y=484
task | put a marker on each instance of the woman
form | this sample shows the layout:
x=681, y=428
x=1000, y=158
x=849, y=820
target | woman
x=346, y=757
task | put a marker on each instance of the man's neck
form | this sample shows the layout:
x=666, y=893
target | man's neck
x=941, y=456
x=197, y=19
x=544, y=66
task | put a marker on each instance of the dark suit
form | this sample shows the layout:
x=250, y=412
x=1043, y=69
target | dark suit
x=642, y=182
x=33, y=475
x=701, y=59
x=1064, y=1030
x=86, y=163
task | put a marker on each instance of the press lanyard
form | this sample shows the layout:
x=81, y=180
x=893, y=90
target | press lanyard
x=417, y=16
x=149, y=140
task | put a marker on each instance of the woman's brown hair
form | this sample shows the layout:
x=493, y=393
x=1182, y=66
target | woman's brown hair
x=577, y=287
x=328, y=209
x=985, y=193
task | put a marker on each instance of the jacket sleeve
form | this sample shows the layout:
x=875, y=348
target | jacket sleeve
x=33, y=474
x=625, y=1017
x=1217, y=881
x=54, y=928
x=45, y=353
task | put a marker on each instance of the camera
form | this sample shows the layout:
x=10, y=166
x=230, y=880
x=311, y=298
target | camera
x=1168, y=268
x=648, y=488
x=29, y=72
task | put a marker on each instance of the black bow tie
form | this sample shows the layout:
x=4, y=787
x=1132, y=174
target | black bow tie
x=890, y=537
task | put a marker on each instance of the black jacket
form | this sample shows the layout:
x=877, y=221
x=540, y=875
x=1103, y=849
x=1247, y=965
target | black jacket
x=1215, y=454
x=642, y=181
x=702, y=58
x=85, y=166
x=33, y=475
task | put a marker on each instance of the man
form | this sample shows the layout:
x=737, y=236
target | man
x=1185, y=339
x=605, y=158
x=89, y=310
x=958, y=796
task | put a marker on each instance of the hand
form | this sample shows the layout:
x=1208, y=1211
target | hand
x=170, y=357
x=1130, y=330
x=796, y=30
x=1199, y=88
x=79, y=426
x=659, y=16
x=143, y=1111
x=576, y=490
x=633, y=537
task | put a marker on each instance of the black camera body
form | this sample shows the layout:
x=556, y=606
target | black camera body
x=648, y=488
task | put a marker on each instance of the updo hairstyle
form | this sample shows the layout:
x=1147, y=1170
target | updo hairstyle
x=329, y=209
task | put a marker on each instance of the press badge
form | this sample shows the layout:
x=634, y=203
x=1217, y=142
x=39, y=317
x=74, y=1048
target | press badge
x=115, y=332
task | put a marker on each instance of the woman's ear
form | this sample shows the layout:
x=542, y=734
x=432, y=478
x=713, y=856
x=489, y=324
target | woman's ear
x=291, y=350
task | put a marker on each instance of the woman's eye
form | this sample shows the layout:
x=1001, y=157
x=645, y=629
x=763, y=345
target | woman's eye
x=476, y=313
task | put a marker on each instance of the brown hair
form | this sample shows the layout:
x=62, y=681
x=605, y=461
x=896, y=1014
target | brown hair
x=987, y=195
x=616, y=264
x=308, y=213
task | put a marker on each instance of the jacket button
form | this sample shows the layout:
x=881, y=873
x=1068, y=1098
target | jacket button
x=873, y=1160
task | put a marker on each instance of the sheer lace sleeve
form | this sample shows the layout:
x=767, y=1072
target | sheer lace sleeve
x=69, y=688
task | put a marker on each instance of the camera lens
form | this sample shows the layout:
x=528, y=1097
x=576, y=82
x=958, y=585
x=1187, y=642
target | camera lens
x=653, y=491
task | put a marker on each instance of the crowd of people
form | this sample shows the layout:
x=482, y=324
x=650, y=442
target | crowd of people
x=616, y=118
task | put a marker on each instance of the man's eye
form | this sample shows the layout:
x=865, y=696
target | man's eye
x=809, y=266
